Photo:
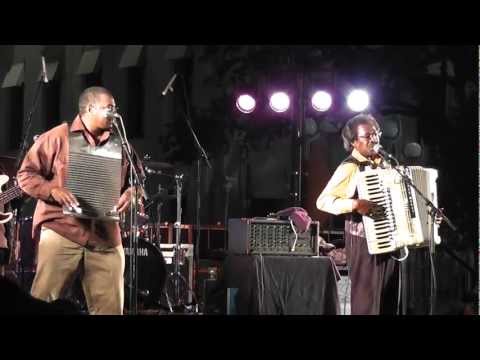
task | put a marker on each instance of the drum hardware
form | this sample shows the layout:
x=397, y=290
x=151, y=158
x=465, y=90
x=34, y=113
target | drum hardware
x=159, y=199
x=157, y=227
x=176, y=277
x=142, y=222
x=152, y=275
x=162, y=195
x=152, y=230
x=156, y=165
x=202, y=155
x=184, y=287
x=151, y=171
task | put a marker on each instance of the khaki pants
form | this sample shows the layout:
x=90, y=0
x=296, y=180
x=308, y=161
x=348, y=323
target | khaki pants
x=59, y=262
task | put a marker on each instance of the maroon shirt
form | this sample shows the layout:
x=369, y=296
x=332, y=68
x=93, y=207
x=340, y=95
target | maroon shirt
x=45, y=166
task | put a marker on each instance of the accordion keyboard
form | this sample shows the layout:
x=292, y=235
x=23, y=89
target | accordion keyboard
x=399, y=224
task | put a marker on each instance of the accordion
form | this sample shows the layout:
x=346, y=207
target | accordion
x=406, y=220
x=94, y=177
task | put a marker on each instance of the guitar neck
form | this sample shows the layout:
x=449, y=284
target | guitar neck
x=10, y=194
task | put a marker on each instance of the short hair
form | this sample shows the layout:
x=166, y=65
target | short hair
x=90, y=95
x=349, y=131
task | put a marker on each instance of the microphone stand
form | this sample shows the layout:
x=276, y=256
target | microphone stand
x=434, y=212
x=18, y=161
x=28, y=123
x=203, y=154
x=133, y=240
x=178, y=248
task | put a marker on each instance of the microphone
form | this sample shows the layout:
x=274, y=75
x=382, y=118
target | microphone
x=111, y=114
x=44, y=70
x=381, y=151
x=169, y=85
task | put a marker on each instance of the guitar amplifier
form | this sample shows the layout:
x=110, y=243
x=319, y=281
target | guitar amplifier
x=268, y=236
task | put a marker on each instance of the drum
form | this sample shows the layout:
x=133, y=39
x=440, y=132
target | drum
x=151, y=274
x=125, y=224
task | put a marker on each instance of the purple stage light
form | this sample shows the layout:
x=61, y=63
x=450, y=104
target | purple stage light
x=246, y=103
x=358, y=100
x=321, y=101
x=279, y=102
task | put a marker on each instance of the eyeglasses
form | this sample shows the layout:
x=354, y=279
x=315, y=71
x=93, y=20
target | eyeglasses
x=371, y=136
x=111, y=108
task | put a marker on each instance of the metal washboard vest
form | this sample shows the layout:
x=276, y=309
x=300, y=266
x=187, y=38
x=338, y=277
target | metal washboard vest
x=94, y=177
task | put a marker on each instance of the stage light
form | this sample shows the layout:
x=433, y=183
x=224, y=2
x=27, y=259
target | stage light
x=279, y=102
x=412, y=150
x=310, y=126
x=246, y=103
x=321, y=101
x=358, y=100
